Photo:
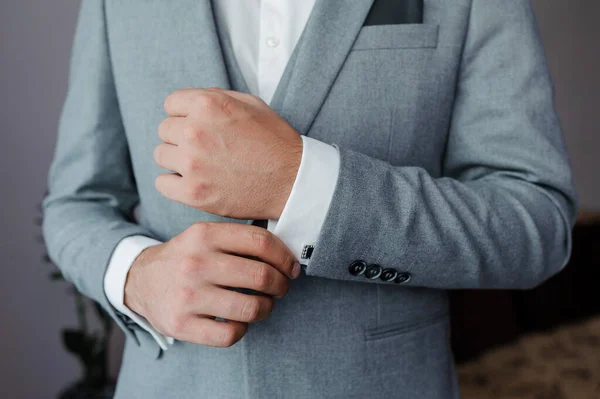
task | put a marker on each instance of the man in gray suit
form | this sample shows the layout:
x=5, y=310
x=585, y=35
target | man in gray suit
x=393, y=149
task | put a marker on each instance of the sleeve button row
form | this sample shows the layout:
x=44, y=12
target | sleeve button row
x=372, y=272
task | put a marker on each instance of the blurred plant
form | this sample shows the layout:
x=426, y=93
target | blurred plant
x=90, y=347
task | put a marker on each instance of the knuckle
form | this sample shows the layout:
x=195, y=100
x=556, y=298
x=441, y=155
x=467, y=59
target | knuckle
x=189, y=164
x=185, y=295
x=205, y=101
x=251, y=309
x=197, y=192
x=227, y=105
x=262, y=277
x=189, y=266
x=175, y=325
x=262, y=240
x=288, y=263
x=190, y=133
x=228, y=336
x=200, y=235
x=200, y=231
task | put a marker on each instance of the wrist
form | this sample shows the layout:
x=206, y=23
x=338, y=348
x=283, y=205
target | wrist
x=131, y=298
x=289, y=172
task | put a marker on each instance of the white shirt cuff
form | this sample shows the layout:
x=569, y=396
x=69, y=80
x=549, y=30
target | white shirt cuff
x=116, y=275
x=306, y=209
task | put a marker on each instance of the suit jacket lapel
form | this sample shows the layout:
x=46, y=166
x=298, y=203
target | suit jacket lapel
x=325, y=43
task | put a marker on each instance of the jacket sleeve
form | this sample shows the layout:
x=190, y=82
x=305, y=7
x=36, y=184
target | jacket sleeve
x=502, y=212
x=92, y=192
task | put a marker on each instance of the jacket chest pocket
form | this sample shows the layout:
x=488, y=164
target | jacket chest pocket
x=403, y=36
x=382, y=85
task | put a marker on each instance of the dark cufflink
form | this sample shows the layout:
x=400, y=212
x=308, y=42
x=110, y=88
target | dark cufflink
x=307, y=251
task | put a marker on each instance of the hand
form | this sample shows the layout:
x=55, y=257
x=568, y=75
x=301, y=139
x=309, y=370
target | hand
x=179, y=286
x=232, y=154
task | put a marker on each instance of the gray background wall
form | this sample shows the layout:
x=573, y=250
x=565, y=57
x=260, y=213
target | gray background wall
x=35, y=40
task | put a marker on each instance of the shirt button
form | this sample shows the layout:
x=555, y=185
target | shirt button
x=272, y=41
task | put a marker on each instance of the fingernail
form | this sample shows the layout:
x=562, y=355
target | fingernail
x=296, y=270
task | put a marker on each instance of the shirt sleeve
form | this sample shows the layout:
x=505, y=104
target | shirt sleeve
x=116, y=275
x=304, y=213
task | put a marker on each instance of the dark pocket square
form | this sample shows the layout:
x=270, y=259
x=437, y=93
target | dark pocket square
x=392, y=12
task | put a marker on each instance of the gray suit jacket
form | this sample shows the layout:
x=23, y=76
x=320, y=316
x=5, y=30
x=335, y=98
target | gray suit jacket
x=453, y=172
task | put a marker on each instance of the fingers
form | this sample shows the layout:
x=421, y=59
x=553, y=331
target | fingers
x=168, y=156
x=181, y=188
x=177, y=128
x=243, y=97
x=181, y=102
x=232, y=305
x=170, y=185
x=234, y=271
x=204, y=331
x=172, y=130
x=248, y=240
x=184, y=102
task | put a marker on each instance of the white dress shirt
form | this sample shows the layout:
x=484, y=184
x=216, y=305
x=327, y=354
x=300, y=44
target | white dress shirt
x=263, y=34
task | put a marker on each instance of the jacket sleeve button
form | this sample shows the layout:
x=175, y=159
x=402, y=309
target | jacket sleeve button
x=389, y=275
x=403, y=278
x=357, y=268
x=373, y=272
